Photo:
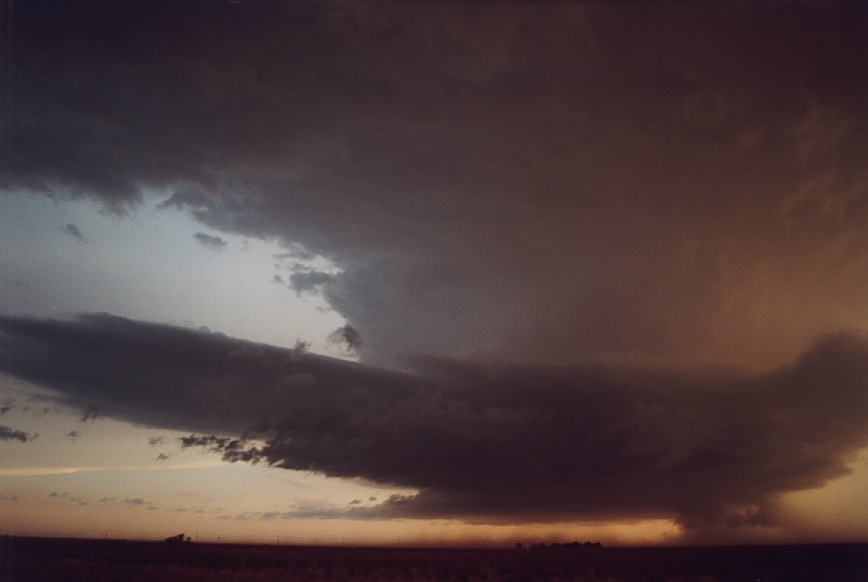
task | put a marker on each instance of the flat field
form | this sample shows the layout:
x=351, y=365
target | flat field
x=70, y=560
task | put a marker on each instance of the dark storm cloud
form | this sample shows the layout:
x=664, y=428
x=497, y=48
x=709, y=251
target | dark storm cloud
x=526, y=182
x=480, y=443
x=73, y=231
x=215, y=243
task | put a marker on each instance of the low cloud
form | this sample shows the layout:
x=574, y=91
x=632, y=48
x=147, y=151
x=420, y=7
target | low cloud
x=303, y=511
x=11, y=434
x=482, y=443
x=90, y=413
x=73, y=231
x=347, y=337
x=73, y=499
x=309, y=282
x=199, y=509
x=215, y=243
x=232, y=449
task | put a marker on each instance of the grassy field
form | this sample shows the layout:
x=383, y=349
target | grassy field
x=66, y=560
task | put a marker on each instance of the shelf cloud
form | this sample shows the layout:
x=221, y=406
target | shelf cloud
x=483, y=443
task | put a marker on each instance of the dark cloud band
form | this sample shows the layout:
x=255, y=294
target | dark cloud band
x=480, y=443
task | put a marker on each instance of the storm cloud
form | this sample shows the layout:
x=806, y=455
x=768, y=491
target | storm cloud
x=215, y=243
x=511, y=182
x=482, y=443
x=597, y=260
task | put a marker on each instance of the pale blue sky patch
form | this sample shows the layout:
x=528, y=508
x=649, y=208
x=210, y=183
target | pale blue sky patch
x=149, y=265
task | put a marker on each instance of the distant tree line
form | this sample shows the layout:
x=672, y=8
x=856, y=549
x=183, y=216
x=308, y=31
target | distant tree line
x=555, y=546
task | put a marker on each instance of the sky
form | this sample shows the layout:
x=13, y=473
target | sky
x=435, y=273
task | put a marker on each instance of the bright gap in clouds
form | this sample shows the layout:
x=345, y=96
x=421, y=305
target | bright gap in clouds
x=57, y=260
x=157, y=264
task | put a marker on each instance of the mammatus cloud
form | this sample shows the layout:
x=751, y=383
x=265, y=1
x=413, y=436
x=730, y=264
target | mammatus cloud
x=215, y=243
x=483, y=443
x=524, y=183
x=74, y=232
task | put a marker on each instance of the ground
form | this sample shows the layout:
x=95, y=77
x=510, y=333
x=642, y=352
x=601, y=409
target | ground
x=69, y=560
